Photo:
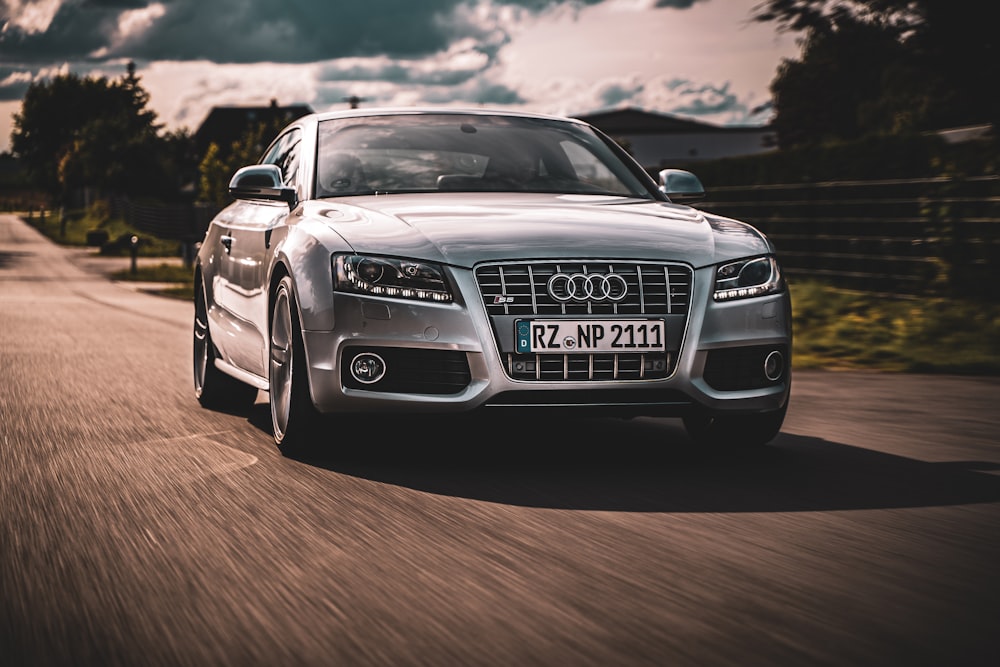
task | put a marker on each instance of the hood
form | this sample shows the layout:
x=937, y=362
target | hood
x=463, y=229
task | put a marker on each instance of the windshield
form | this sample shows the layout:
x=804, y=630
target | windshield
x=467, y=153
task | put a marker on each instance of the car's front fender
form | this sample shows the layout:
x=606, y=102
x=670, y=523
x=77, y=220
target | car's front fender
x=303, y=250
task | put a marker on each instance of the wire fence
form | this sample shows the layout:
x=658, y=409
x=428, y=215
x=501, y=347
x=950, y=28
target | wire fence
x=176, y=222
x=912, y=237
x=906, y=237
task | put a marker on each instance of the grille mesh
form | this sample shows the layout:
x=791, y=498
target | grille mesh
x=585, y=367
x=520, y=290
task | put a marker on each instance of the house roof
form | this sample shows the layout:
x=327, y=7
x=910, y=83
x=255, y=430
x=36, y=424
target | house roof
x=630, y=120
x=227, y=124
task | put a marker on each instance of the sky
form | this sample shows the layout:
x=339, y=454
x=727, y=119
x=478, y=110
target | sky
x=698, y=59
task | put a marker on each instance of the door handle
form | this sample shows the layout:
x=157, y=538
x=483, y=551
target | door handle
x=228, y=242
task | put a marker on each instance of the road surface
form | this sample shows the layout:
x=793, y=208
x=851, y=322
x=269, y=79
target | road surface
x=138, y=529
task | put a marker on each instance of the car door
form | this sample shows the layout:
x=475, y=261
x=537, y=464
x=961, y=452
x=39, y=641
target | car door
x=247, y=251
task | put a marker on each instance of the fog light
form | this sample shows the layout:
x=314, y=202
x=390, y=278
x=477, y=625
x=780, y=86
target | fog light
x=368, y=368
x=774, y=366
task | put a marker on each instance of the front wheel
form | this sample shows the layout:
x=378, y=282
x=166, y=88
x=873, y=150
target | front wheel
x=293, y=415
x=213, y=388
x=734, y=432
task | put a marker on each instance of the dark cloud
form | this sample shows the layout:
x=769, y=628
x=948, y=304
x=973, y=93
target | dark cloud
x=241, y=31
x=14, y=81
x=676, y=4
x=116, y=4
x=479, y=93
x=708, y=99
x=472, y=89
x=392, y=72
x=13, y=84
x=498, y=94
x=248, y=31
x=395, y=72
x=73, y=34
x=388, y=51
x=613, y=94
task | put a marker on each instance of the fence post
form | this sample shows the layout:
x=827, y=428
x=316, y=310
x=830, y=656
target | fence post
x=134, y=251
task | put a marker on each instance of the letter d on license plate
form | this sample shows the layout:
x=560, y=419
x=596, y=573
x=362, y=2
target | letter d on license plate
x=567, y=336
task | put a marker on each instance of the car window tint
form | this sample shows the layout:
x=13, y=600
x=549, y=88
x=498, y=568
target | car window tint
x=588, y=168
x=411, y=153
x=284, y=153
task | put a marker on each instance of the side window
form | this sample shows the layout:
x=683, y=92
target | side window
x=284, y=152
x=274, y=150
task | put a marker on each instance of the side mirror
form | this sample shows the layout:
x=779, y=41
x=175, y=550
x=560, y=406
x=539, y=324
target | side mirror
x=261, y=181
x=681, y=186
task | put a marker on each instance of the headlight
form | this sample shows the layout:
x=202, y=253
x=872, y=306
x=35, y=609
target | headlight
x=384, y=276
x=747, y=278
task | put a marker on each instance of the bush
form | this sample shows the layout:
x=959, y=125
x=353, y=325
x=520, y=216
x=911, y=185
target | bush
x=97, y=237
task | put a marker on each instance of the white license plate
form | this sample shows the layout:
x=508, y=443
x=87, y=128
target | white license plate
x=568, y=336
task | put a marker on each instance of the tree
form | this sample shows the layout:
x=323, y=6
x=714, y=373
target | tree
x=48, y=124
x=882, y=67
x=74, y=132
x=214, y=175
x=179, y=162
x=219, y=164
x=832, y=93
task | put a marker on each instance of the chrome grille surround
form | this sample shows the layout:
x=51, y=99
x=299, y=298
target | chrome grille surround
x=512, y=291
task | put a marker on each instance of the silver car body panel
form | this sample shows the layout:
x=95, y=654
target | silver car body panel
x=251, y=244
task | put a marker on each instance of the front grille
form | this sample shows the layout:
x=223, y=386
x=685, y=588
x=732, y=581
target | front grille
x=653, y=290
x=412, y=371
x=520, y=289
x=582, y=367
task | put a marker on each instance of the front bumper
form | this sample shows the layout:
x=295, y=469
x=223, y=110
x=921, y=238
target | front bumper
x=445, y=358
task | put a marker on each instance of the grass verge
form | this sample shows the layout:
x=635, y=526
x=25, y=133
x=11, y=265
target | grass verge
x=836, y=328
x=180, y=278
x=73, y=227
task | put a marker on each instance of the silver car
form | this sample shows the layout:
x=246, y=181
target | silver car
x=460, y=261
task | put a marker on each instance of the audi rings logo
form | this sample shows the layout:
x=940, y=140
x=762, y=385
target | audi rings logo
x=582, y=287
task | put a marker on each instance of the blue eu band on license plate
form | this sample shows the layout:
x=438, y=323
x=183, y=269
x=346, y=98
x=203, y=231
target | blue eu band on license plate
x=569, y=336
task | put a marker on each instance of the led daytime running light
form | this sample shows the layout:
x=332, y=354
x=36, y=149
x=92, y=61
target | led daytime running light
x=745, y=292
x=359, y=284
x=730, y=273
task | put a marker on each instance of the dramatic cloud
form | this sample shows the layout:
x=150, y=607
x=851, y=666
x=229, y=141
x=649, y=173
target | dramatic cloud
x=715, y=103
x=676, y=4
x=246, y=31
x=557, y=56
x=14, y=82
x=28, y=16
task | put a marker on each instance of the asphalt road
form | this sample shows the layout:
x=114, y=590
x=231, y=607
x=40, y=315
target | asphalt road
x=138, y=529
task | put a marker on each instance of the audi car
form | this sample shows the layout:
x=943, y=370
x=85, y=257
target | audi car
x=474, y=261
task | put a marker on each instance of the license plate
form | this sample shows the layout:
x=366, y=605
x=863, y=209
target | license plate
x=568, y=336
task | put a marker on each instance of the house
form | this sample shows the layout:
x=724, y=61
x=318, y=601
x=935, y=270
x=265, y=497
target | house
x=225, y=125
x=659, y=140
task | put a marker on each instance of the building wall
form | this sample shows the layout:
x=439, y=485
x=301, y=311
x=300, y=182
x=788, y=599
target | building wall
x=656, y=151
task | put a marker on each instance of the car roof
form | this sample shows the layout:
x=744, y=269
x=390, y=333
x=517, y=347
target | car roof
x=463, y=111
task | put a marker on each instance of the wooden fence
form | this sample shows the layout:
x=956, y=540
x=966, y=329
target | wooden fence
x=914, y=237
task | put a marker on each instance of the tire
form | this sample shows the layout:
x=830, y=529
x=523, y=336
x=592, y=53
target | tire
x=213, y=388
x=734, y=432
x=293, y=415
